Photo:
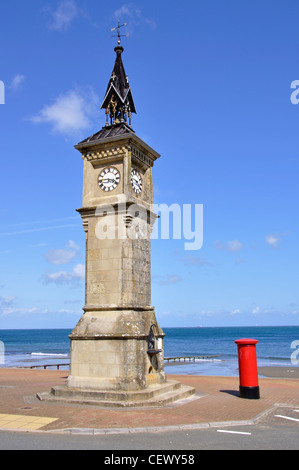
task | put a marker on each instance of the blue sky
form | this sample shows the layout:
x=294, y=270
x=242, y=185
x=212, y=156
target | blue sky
x=211, y=83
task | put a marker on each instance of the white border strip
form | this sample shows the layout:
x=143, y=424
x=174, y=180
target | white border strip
x=287, y=417
x=234, y=432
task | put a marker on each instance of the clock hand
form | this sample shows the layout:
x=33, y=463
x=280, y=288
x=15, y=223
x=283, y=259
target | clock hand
x=108, y=180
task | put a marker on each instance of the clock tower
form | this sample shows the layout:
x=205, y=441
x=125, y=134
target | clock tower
x=117, y=353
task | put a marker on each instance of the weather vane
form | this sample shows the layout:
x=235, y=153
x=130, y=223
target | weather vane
x=117, y=28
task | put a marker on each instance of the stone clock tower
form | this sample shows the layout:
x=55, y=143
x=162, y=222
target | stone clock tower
x=117, y=354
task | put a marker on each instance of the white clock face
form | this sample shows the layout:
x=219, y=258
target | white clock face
x=109, y=179
x=136, y=181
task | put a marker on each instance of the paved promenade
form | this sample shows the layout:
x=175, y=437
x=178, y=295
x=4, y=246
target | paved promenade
x=216, y=401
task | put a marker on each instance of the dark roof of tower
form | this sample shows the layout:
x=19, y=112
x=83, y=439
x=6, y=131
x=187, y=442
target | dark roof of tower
x=109, y=131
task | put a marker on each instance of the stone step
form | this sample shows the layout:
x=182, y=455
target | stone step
x=158, y=401
x=161, y=395
x=122, y=395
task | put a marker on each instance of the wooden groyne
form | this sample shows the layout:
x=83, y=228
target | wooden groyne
x=45, y=366
x=186, y=358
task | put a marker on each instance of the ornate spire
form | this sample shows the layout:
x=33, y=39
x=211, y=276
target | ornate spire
x=118, y=101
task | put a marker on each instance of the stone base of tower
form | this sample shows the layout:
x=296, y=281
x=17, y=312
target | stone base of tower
x=110, y=350
x=113, y=362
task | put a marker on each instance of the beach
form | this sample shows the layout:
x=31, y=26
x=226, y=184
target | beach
x=279, y=372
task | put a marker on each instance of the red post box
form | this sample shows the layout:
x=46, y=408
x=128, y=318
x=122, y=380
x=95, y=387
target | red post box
x=249, y=387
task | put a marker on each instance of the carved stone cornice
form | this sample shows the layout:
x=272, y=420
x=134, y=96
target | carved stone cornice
x=99, y=155
x=141, y=157
x=113, y=152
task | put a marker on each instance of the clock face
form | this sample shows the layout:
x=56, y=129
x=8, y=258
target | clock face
x=136, y=181
x=109, y=179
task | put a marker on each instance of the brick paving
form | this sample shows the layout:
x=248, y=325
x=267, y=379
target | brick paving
x=218, y=402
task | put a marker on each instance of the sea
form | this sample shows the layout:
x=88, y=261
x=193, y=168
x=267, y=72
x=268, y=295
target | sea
x=277, y=346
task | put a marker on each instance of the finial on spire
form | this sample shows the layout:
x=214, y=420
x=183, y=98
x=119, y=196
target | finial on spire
x=118, y=30
x=118, y=102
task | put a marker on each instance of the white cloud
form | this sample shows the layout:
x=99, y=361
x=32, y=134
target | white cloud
x=73, y=245
x=272, y=240
x=127, y=10
x=63, y=256
x=193, y=260
x=234, y=246
x=79, y=271
x=134, y=14
x=236, y=311
x=17, y=228
x=71, y=112
x=69, y=312
x=231, y=246
x=208, y=313
x=63, y=16
x=16, y=82
x=17, y=311
x=7, y=301
x=150, y=22
x=167, y=280
x=256, y=310
x=62, y=277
